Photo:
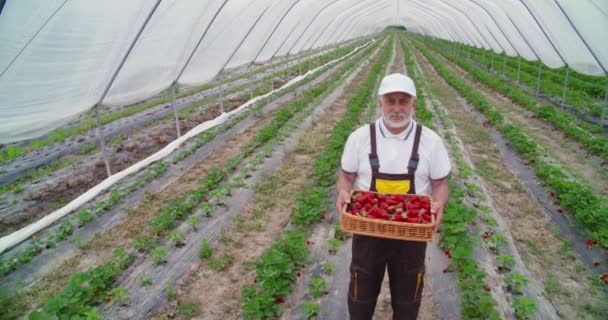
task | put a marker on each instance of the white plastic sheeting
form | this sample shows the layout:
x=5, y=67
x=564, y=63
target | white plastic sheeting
x=57, y=56
x=24, y=233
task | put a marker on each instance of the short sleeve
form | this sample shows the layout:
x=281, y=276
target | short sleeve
x=440, y=162
x=350, y=161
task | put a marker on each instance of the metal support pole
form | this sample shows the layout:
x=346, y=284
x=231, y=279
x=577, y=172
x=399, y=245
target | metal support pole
x=518, y=67
x=492, y=64
x=271, y=82
x=101, y=142
x=221, y=99
x=250, y=84
x=540, y=69
x=604, y=109
x=179, y=134
x=565, y=87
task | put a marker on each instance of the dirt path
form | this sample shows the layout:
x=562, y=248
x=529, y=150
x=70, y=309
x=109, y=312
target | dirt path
x=548, y=258
x=428, y=308
x=555, y=143
x=99, y=249
x=216, y=294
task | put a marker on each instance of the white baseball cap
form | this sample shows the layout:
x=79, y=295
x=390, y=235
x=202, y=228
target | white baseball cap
x=397, y=82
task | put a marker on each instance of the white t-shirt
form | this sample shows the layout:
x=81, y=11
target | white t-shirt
x=394, y=153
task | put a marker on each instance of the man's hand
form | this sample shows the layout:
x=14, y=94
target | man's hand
x=344, y=187
x=437, y=210
x=342, y=198
x=440, y=198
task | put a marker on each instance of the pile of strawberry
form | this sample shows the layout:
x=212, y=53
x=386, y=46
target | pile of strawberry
x=390, y=207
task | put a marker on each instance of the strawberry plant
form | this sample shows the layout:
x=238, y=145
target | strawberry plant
x=505, y=262
x=334, y=245
x=144, y=244
x=589, y=209
x=118, y=295
x=329, y=268
x=193, y=221
x=516, y=281
x=311, y=310
x=159, y=255
x=524, y=308
x=310, y=206
x=177, y=238
x=317, y=287
x=276, y=270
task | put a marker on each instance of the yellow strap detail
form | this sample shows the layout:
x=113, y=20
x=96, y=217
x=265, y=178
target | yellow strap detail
x=417, y=285
x=393, y=187
x=356, y=283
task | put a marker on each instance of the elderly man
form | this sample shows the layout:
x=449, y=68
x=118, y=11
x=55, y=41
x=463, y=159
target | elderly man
x=392, y=155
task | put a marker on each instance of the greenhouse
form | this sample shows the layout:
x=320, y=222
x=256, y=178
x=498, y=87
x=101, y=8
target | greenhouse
x=304, y=159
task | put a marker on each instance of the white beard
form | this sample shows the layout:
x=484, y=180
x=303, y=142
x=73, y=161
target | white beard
x=396, y=120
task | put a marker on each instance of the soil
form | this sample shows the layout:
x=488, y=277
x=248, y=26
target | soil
x=99, y=250
x=218, y=294
x=39, y=198
x=544, y=253
x=555, y=143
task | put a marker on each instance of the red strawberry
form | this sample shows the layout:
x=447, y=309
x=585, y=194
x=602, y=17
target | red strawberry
x=596, y=262
x=445, y=269
x=604, y=278
x=323, y=216
x=560, y=210
x=412, y=220
x=299, y=274
x=487, y=288
x=391, y=202
x=448, y=253
x=280, y=300
x=590, y=243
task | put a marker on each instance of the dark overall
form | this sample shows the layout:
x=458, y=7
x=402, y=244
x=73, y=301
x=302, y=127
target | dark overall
x=371, y=256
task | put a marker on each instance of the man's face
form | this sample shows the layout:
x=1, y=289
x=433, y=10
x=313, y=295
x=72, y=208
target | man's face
x=397, y=109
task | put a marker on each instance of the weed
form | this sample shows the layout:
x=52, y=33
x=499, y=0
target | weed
x=206, y=251
x=145, y=280
x=170, y=291
x=221, y=263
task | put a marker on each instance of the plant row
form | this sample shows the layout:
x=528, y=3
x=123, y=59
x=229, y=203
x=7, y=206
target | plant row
x=588, y=135
x=553, y=85
x=87, y=215
x=277, y=269
x=77, y=302
x=594, y=86
x=458, y=239
x=61, y=134
x=589, y=209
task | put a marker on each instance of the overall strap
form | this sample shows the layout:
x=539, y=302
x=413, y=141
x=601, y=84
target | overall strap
x=373, y=156
x=413, y=164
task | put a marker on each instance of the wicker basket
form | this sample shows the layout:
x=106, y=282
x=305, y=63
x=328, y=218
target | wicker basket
x=386, y=229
